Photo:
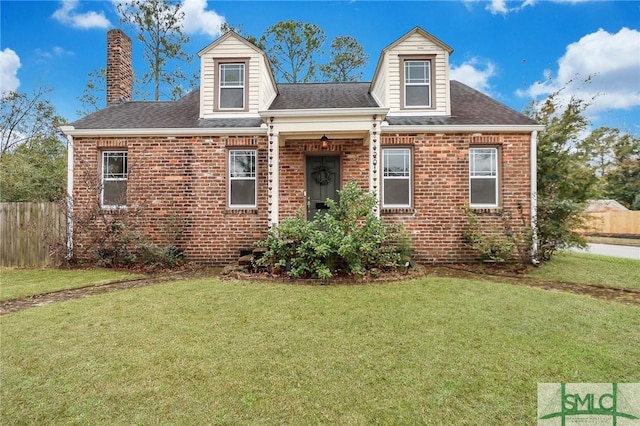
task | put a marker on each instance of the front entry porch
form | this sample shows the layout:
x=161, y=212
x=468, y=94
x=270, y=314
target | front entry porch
x=297, y=143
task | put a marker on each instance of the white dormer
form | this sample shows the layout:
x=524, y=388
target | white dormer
x=412, y=76
x=236, y=80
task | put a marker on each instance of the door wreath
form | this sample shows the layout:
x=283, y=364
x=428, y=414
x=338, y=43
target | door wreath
x=321, y=175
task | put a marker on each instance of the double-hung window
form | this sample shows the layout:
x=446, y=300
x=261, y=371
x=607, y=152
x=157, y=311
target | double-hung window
x=417, y=83
x=232, y=86
x=242, y=178
x=483, y=177
x=114, y=179
x=396, y=178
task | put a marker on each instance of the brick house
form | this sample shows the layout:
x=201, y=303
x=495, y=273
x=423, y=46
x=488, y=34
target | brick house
x=243, y=152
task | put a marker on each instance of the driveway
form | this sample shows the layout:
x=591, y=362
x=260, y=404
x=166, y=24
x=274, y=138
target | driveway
x=612, y=250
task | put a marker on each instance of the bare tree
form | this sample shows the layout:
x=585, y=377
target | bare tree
x=24, y=117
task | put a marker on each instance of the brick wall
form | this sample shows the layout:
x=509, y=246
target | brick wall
x=183, y=180
x=177, y=182
x=441, y=188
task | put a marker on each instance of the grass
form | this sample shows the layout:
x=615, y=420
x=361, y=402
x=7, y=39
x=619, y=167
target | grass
x=15, y=283
x=591, y=269
x=634, y=242
x=430, y=351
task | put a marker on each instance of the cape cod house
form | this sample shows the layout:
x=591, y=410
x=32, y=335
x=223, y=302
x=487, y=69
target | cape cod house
x=244, y=152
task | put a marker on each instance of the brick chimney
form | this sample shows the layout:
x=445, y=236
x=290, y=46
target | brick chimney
x=119, y=69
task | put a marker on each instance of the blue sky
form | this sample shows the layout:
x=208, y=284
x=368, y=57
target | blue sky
x=514, y=51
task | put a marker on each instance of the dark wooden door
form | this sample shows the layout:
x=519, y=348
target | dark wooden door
x=323, y=181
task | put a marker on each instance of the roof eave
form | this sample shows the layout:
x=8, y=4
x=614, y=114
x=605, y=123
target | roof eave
x=323, y=112
x=463, y=128
x=193, y=131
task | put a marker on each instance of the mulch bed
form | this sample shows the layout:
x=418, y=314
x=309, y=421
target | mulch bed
x=495, y=273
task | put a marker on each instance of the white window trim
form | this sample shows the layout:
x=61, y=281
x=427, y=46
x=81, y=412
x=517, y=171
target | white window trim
x=407, y=84
x=496, y=178
x=409, y=178
x=103, y=179
x=242, y=86
x=244, y=178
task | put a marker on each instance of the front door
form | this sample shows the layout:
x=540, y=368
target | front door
x=323, y=181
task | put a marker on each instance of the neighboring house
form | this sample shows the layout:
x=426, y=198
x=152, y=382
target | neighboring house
x=599, y=206
x=244, y=152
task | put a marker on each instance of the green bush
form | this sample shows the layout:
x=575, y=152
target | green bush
x=499, y=243
x=348, y=238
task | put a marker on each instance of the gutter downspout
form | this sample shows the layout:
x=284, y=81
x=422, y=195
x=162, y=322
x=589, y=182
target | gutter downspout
x=534, y=194
x=69, y=197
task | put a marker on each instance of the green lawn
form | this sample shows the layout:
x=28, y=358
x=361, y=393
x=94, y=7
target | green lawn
x=591, y=269
x=16, y=283
x=429, y=351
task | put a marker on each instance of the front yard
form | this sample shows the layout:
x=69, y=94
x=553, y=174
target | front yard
x=435, y=350
x=16, y=283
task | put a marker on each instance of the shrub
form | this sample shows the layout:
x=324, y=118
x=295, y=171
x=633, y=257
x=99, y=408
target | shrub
x=499, y=243
x=348, y=238
x=156, y=256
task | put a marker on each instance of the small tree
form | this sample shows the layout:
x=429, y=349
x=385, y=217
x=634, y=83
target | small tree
x=35, y=170
x=565, y=179
x=347, y=56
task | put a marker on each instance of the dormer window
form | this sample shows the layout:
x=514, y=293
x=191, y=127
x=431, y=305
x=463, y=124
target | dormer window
x=416, y=82
x=232, y=86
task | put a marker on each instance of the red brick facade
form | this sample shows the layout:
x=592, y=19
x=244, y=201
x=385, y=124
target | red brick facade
x=183, y=182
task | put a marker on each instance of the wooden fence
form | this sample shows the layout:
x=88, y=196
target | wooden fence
x=30, y=233
x=615, y=223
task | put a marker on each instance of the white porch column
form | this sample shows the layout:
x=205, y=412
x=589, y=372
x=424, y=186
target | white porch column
x=273, y=176
x=374, y=162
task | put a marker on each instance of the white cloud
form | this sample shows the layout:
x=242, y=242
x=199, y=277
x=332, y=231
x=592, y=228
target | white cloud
x=497, y=7
x=475, y=73
x=68, y=16
x=197, y=19
x=610, y=63
x=55, y=51
x=9, y=64
x=503, y=7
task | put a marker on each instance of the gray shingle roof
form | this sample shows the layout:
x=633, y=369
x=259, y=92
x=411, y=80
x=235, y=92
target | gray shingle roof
x=468, y=107
x=145, y=115
x=180, y=114
x=323, y=95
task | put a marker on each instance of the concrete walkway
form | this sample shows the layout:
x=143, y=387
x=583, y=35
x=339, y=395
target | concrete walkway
x=628, y=252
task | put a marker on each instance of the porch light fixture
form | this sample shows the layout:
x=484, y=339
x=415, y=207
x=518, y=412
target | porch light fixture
x=324, y=142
